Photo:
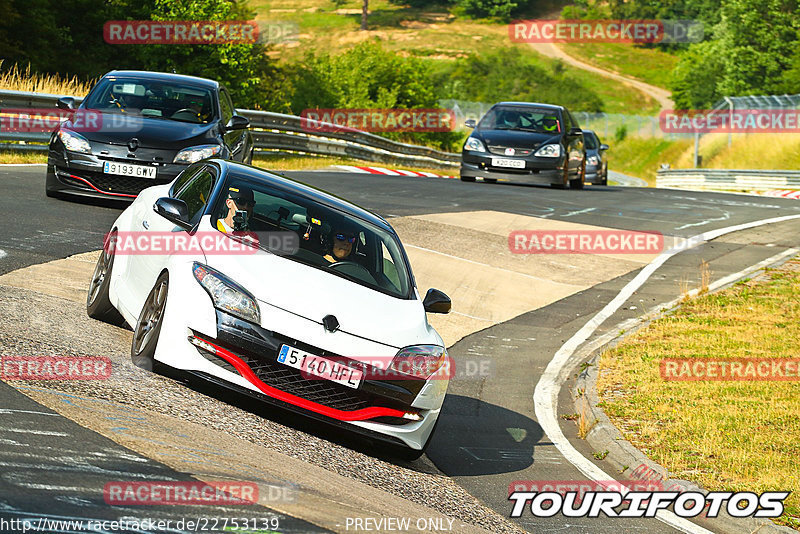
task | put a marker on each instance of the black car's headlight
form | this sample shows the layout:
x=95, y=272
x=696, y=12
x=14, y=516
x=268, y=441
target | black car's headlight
x=226, y=294
x=592, y=160
x=474, y=144
x=549, y=151
x=74, y=142
x=196, y=153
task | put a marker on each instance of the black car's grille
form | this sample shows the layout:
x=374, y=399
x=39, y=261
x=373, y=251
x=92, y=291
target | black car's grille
x=501, y=150
x=110, y=183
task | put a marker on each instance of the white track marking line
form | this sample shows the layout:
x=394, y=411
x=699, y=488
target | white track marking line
x=545, y=396
x=3, y=254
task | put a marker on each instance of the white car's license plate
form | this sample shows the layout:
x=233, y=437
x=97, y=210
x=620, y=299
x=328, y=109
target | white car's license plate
x=321, y=367
x=504, y=162
x=127, y=169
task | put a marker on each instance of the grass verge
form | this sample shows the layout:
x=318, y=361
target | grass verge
x=15, y=79
x=726, y=436
x=641, y=157
x=650, y=65
x=22, y=157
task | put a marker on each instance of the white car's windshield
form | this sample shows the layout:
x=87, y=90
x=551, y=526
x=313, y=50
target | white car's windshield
x=154, y=99
x=329, y=239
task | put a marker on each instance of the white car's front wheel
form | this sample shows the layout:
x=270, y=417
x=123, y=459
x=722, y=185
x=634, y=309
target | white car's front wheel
x=148, y=327
x=98, y=304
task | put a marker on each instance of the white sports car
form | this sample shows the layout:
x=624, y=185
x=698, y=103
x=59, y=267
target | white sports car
x=280, y=291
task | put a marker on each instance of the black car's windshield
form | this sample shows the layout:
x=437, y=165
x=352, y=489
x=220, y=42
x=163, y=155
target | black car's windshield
x=521, y=118
x=153, y=98
x=329, y=239
x=590, y=140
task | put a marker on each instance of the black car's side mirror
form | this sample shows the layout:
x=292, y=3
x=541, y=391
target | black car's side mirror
x=604, y=147
x=237, y=122
x=174, y=210
x=436, y=302
x=575, y=132
x=65, y=103
x=470, y=123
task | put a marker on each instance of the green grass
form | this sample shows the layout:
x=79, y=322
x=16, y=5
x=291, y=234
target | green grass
x=727, y=436
x=650, y=65
x=641, y=157
x=432, y=32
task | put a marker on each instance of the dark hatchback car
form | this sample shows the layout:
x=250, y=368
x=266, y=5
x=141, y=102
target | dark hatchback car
x=137, y=129
x=596, y=162
x=528, y=143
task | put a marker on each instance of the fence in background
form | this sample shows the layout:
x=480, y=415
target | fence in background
x=272, y=132
x=728, y=180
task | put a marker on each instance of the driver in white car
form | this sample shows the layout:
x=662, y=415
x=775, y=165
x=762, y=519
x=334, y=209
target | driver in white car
x=342, y=247
x=240, y=204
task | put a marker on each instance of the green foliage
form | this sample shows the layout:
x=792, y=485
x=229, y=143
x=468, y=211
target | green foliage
x=586, y=10
x=753, y=50
x=499, y=9
x=511, y=74
x=620, y=133
x=367, y=77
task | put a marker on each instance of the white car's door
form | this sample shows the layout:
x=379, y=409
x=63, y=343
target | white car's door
x=146, y=266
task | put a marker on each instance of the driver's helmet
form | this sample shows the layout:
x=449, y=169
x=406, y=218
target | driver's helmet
x=550, y=124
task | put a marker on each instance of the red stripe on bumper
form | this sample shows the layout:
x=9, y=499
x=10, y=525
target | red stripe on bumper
x=341, y=415
x=87, y=182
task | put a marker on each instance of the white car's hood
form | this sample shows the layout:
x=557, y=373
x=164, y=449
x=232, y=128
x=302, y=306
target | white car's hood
x=313, y=293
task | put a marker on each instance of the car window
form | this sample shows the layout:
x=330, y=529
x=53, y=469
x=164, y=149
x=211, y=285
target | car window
x=183, y=178
x=521, y=118
x=226, y=105
x=154, y=99
x=591, y=141
x=196, y=192
x=338, y=243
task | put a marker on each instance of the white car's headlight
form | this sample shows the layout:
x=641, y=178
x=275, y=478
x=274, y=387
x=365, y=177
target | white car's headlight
x=549, y=151
x=74, y=142
x=196, y=153
x=592, y=160
x=474, y=144
x=227, y=295
x=420, y=361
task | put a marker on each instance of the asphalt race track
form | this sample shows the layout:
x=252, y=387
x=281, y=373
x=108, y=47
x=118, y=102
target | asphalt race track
x=488, y=435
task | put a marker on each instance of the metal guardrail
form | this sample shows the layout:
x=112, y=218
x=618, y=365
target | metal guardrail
x=728, y=179
x=271, y=132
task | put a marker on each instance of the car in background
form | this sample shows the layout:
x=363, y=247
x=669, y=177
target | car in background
x=596, y=163
x=346, y=342
x=136, y=129
x=527, y=143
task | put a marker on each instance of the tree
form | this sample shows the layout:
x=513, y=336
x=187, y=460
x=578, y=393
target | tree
x=364, y=13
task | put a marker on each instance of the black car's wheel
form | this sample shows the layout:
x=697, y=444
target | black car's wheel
x=148, y=327
x=578, y=182
x=98, y=305
x=467, y=178
x=604, y=181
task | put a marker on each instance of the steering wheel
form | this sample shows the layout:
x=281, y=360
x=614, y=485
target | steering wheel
x=193, y=113
x=353, y=269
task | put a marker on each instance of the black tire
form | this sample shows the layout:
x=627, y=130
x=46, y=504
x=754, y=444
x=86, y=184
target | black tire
x=490, y=180
x=467, y=178
x=98, y=305
x=605, y=178
x=578, y=182
x=148, y=326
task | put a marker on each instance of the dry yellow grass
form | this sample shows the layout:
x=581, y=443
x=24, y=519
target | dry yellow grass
x=14, y=78
x=734, y=436
x=753, y=151
x=22, y=157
